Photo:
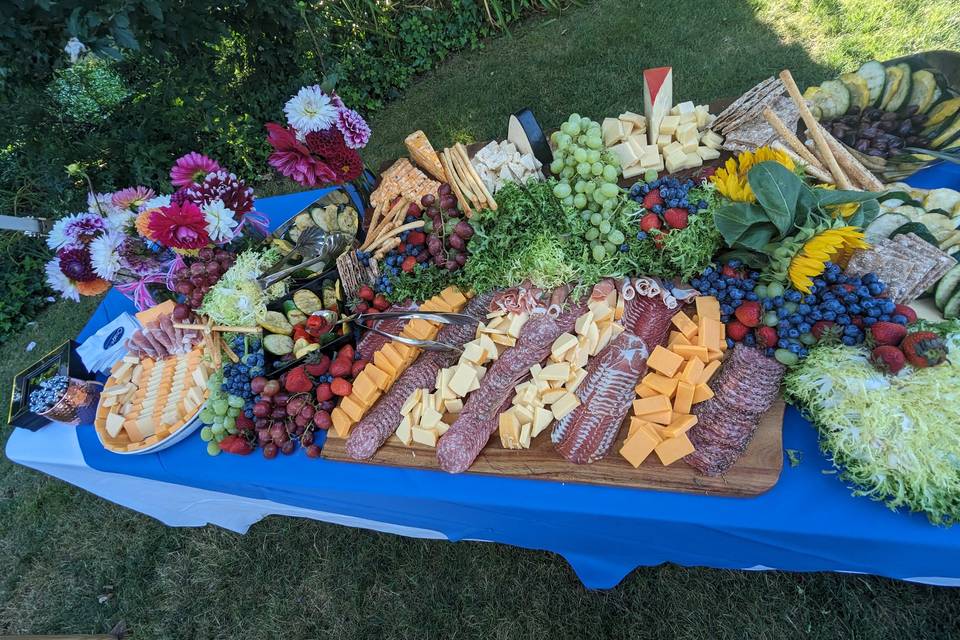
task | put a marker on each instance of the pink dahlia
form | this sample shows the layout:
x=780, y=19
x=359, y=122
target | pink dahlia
x=180, y=226
x=132, y=197
x=293, y=160
x=191, y=169
x=355, y=130
x=336, y=100
x=75, y=263
x=221, y=185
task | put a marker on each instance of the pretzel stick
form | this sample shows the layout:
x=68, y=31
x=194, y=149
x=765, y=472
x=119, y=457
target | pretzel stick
x=465, y=187
x=813, y=170
x=448, y=169
x=374, y=219
x=475, y=177
x=476, y=196
x=407, y=227
x=792, y=140
x=851, y=165
x=842, y=181
x=386, y=223
x=386, y=247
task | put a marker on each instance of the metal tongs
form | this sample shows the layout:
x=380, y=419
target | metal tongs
x=314, y=245
x=428, y=345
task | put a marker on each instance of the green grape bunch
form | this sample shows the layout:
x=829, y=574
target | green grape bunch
x=587, y=177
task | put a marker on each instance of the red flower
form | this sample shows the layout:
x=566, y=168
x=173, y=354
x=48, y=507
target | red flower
x=180, y=226
x=325, y=143
x=292, y=158
x=347, y=164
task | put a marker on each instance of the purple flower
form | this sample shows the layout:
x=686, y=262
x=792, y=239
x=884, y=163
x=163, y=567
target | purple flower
x=356, y=132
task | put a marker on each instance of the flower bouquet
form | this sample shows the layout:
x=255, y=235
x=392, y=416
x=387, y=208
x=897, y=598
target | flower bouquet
x=319, y=147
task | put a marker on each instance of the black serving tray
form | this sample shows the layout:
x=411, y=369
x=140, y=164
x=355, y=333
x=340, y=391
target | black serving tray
x=61, y=361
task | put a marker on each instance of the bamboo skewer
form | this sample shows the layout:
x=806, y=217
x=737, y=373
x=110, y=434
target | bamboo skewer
x=850, y=164
x=448, y=168
x=216, y=327
x=475, y=177
x=792, y=140
x=831, y=162
x=813, y=170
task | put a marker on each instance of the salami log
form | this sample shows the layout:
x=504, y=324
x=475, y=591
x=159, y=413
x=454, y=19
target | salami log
x=373, y=430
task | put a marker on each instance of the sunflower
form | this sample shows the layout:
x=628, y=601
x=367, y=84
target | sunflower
x=840, y=210
x=731, y=178
x=830, y=245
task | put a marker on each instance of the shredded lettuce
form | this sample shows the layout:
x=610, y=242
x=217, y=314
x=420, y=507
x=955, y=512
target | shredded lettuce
x=895, y=438
x=237, y=300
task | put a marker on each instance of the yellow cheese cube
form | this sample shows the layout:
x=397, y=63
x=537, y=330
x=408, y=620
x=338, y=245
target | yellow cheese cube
x=714, y=355
x=352, y=408
x=583, y=323
x=684, y=398
x=379, y=377
x=708, y=334
x=473, y=352
x=509, y=428
x=552, y=395
x=341, y=422
x=567, y=403
x=453, y=297
x=383, y=362
x=563, y=344
x=653, y=404
x=686, y=352
x=672, y=449
x=680, y=425
x=525, y=432
x=637, y=447
x=523, y=414
x=708, y=372
x=420, y=329
x=646, y=392
x=683, y=322
x=702, y=392
x=660, y=384
x=435, y=305
x=661, y=417
x=677, y=338
x=640, y=423
x=390, y=352
x=404, y=432
x=664, y=361
x=708, y=307
x=692, y=370
x=426, y=437
x=516, y=323
x=463, y=380
x=541, y=420
x=364, y=389
x=556, y=371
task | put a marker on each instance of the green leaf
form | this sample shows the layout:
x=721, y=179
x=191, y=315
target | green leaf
x=750, y=258
x=865, y=214
x=777, y=190
x=125, y=38
x=733, y=220
x=153, y=8
x=831, y=197
x=758, y=236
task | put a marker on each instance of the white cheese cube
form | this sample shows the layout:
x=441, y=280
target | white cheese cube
x=427, y=437
x=525, y=435
x=541, y=420
x=707, y=153
x=639, y=122
x=625, y=154
x=672, y=148
x=669, y=124
x=114, y=424
x=689, y=146
x=564, y=343
x=685, y=108
x=663, y=140
x=567, y=403
x=404, y=431
x=612, y=131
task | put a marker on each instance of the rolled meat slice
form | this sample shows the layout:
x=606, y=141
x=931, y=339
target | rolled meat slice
x=373, y=430
x=468, y=435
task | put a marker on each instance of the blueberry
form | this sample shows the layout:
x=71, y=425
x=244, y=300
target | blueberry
x=795, y=348
x=751, y=296
x=803, y=327
x=793, y=333
x=827, y=295
x=889, y=306
x=843, y=319
x=868, y=321
x=641, y=235
x=829, y=277
x=803, y=352
x=829, y=315
x=749, y=283
x=851, y=330
x=782, y=331
x=708, y=271
x=721, y=284
x=875, y=288
x=803, y=309
x=795, y=318
x=899, y=318
x=730, y=343
x=712, y=291
x=778, y=301
x=702, y=204
x=782, y=313
x=869, y=278
x=749, y=340
x=767, y=304
x=848, y=340
x=736, y=302
x=736, y=293
x=726, y=309
x=854, y=309
x=816, y=315
x=645, y=189
x=657, y=209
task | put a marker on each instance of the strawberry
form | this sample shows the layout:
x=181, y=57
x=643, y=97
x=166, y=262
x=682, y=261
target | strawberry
x=401, y=248
x=346, y=351
x=319, y=367
x=924, y=349
x=341, y=367
x=675, y=218
x=650, y=221
x=297, y=381
x=322, y=419
x=416, y=238
x=243, y=422
x=906, y=312
x=822, y=326
x=361, y=307
x=366, y=293
x=357, y=367
x=380, y=303
x=323, y=392
x=729, y=272
x=749, y=313
x=408, y=264
x=887, y=358
x=341, y=387
x=737, y=331
x=887, y=333
x=767, y=337
x=414, y=210
x=235, y=444
x=652, y=199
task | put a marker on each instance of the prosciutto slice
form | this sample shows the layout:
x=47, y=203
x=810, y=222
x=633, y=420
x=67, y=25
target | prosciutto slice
x=373, y=430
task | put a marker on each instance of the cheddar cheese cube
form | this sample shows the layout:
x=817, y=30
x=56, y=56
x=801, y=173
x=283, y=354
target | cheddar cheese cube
x=672, y=449
x=352, y=407
x=661, y=417
x=708, y=307
x=341, y=422
x=638, y=447
x=692, y=370
x=453, y=297
x=708, y=372
x=702, y=392
x=680, y=425
x=683, y=322
x=660, y=384
x=383, y=362
x=684, y=398
x=677, y=338
x=379, y=377
x=365, y=389
x=665, y=361
x=420, y=329
x=686, y=352
x=655, y=404
x=708, y=334
x=644, y=391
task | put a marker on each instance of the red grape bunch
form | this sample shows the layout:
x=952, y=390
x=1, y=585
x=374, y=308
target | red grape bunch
x=195, y=279
x=447, y=233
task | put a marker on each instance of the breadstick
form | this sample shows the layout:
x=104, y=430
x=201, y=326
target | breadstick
x=851, y=165
x=792, y=140
x=385, y=223
x=375, y=215
x=448, y=169
x=475, y=178
x=386, y=248
x=465, y=188
x=475, y=195
x=395, y=232
x=841, y=178
x=811, y=169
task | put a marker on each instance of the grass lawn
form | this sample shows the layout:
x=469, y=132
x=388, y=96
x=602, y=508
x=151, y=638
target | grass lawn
x=71, y=562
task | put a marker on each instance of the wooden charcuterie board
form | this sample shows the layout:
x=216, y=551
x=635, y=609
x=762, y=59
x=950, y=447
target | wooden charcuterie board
x=756, y=472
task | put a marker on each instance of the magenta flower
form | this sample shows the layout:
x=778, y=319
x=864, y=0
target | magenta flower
x=191, y=169
x=179, y=226
x=293, y=159
x=355, y=130
x=132, y=197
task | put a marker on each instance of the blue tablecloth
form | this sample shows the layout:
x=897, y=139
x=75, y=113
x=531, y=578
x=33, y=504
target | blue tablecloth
x=807, y=522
